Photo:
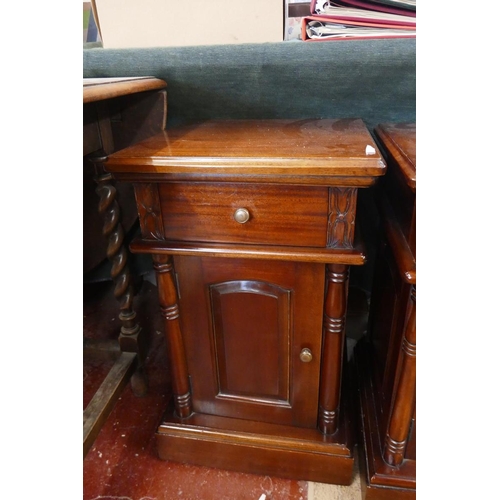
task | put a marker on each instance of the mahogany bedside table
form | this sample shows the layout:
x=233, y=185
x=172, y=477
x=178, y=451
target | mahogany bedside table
x=386, y=361
x=251, y=228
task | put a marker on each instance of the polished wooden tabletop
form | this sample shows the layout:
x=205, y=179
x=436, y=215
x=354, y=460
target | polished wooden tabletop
x=98, y=89
x=313, y=147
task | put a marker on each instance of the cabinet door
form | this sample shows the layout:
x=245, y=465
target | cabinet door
x=245, y=323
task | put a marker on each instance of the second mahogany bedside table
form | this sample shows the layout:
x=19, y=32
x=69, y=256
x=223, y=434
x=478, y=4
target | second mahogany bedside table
x=251, y=228
x=385, y=360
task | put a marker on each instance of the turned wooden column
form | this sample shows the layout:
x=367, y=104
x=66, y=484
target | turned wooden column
x=402, y=410
x=169, y=307
x=117, y=254
x=333, y=345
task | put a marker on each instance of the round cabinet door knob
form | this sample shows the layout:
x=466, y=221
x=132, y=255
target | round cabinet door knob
x=305, y=356
x=241, y=215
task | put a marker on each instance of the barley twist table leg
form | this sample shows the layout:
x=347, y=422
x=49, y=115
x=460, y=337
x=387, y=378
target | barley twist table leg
x=117, y=254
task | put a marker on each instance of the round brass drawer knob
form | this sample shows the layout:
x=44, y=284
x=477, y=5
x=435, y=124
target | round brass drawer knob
x=305, y=356
x=241, y=215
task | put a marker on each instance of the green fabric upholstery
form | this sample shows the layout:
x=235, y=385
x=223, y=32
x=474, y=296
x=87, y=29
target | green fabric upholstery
x=369, y=79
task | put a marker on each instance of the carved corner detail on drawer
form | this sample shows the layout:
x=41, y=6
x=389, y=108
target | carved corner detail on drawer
x=148, y=205
x=341, y=216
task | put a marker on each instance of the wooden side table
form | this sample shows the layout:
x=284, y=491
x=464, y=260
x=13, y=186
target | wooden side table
x=386, y=362
x=251, y=225
x=117, y=112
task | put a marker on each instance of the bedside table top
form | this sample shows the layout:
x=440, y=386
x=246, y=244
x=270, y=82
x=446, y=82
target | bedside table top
x=400, y=141
x=304, y=149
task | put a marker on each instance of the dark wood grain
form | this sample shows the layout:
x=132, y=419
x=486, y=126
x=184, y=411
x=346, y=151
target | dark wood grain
x=168, y=298
x=273, y=385
x=286, y=147
x=398, y=143
x=252, y=328
x=379, y=480
x=341, y=217
x=111, y=123
x=353, y=257
x=279, y=215
x=258, y=447
x=333, y=347
x=400, y=420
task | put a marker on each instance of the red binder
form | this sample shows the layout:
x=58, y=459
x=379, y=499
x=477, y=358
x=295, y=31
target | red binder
x=353, y=23
x=373, y=6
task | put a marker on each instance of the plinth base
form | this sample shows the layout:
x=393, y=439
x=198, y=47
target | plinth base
x=258, y=448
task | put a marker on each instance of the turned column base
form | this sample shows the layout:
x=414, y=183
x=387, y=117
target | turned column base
x=379, y=480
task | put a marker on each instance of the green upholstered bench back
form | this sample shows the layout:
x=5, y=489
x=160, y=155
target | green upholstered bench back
x=369, y=79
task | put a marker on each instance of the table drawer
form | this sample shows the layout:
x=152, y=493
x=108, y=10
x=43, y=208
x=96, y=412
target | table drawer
x=276, y=214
